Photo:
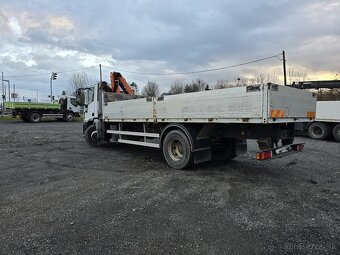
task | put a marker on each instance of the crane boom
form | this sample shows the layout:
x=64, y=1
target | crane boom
x=119, y=84
x=326, y=84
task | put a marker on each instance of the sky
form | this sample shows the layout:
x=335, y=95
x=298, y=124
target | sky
x=165, y=37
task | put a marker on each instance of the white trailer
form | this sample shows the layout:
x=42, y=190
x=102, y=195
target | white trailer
x=195, y=127
x=327, y=121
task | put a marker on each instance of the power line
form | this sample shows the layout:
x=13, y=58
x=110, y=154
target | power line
x=156, y=74
x=198, y=71
x=80, y=69
x=40, y=74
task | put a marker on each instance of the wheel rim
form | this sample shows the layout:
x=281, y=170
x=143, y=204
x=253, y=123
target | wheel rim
x=35, y=117
x=69, y=117
x=94, y=136
x=317, y=131
x=175, y=149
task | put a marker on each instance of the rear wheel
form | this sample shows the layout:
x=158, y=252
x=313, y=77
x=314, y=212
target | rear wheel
x=91, y=136
x=336, y=132
x=177, y=150
x=35, y=117
x=319, y=131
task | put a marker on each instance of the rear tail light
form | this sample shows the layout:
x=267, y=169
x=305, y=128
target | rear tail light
x=263, y=155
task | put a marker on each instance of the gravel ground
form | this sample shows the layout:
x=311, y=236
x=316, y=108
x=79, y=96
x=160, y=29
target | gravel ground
x=60, y=196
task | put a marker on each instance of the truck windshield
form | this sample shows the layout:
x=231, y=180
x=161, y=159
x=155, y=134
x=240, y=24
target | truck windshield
x=73, y=101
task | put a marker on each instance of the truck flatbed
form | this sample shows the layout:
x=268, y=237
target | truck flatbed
x=27, y=105
x=260, y=104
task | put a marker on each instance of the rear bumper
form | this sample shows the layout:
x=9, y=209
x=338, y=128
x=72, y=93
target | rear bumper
x=280, y=152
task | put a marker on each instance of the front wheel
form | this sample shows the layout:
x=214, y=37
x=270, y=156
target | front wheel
x=319, y=131
x=177, y=150
x=91, y=136
x=69, y=117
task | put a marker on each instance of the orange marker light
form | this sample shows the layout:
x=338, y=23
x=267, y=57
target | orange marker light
x=264, y=155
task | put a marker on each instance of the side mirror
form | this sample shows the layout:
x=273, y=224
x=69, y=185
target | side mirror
x=80, y=97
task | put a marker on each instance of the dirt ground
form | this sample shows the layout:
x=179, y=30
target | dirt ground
x=60, y=196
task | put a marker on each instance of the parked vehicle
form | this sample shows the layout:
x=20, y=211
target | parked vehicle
x=327, y=121
x=195, y=127
x=66, y=108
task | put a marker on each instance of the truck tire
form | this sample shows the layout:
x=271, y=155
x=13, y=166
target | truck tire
x=35, y=117
x=69, y=117
x=336, y=132
x=319, y=131
x=91, y=136
x=177, y=150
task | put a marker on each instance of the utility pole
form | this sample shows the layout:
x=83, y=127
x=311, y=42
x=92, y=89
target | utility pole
x=9, y=91
x=3, y=102
x=51, y=87
x=284, y=68
x=14, y=95
x=5, y=94
x=100, y=73
x=53, y=77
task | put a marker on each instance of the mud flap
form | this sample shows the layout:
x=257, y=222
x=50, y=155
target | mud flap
x=202, y=155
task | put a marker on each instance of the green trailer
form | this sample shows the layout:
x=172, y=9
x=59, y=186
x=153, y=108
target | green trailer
x=27, y=105
x=65, y=109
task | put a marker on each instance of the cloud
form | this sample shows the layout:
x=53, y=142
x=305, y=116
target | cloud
x=168, y=36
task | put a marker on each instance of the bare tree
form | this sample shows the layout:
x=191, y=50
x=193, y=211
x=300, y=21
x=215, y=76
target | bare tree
x=222, y=84
x=296, y=75
x=260, y=78
x=328, y=95
x=151, y=89
x=79, y=80
x=195, y=86
x=177, y=87
x=272, y=77
x=263, y=78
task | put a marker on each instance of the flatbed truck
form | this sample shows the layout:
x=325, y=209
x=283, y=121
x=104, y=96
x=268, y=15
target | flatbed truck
x=66, y=109
x=195, y=127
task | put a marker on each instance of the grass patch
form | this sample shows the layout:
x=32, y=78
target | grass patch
x=6, y=117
